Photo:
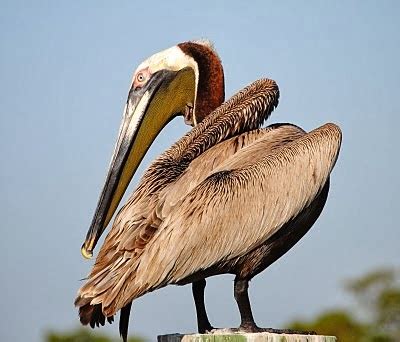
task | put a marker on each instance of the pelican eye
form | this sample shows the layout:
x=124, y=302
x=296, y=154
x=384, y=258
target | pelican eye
x=141, y=78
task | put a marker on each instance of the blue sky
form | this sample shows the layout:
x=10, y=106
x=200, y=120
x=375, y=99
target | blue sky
x=65, y=70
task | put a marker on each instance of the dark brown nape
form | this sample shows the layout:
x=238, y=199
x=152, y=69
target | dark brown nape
x=211, y=85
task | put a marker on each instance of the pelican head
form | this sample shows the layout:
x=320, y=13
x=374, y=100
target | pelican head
x=186, y=80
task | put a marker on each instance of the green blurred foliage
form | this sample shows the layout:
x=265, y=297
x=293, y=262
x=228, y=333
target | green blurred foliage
x=338, y=323
x=84, y=335
x=377, y=319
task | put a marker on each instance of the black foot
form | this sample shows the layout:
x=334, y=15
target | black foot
x=287, y=331
x=205, y=329
x=252, y=328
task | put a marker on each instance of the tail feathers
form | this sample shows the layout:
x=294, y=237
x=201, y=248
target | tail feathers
x=93, y=315
x=124, y=321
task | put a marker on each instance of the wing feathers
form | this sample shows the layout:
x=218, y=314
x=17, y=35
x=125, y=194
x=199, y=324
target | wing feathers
x=232, y=212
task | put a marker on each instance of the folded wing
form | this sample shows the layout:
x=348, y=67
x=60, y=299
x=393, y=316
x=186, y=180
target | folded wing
x=237, y=208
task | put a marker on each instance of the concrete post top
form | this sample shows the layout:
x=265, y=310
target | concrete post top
x=224, y=335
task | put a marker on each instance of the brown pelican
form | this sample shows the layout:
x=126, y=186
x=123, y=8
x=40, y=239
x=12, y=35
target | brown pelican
x=228, y=197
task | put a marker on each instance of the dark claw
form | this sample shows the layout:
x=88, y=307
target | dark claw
x=250, y=328
x=205, y=330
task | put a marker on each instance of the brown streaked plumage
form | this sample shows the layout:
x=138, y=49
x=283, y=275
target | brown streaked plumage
x=244, y=194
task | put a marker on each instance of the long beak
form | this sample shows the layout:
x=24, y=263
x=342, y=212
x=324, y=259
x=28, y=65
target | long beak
x=142, y=121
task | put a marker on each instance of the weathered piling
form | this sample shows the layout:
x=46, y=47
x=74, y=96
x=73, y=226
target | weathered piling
x=226, y=336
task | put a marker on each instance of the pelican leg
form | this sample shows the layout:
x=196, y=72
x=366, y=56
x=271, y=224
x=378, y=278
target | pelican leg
x=242, y=299
x=247, y=323
x=203, y=324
